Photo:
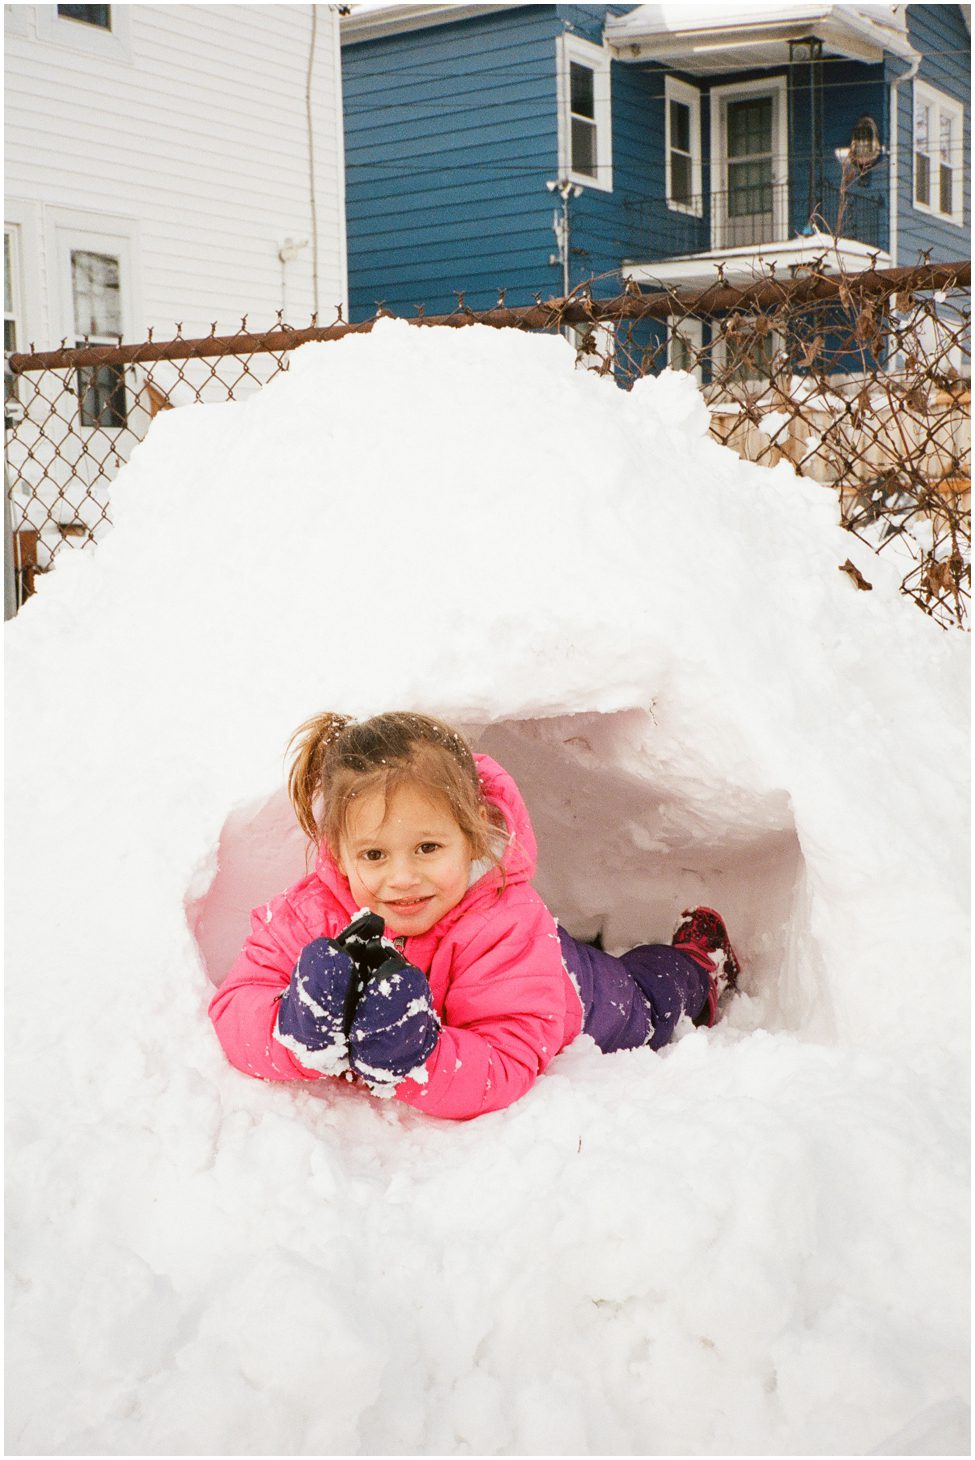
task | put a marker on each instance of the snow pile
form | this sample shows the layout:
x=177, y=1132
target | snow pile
x=751, y=1243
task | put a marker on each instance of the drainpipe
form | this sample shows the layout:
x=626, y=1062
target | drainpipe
x=894, y=180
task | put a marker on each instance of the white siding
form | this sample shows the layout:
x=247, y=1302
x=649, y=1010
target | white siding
x=185, y=136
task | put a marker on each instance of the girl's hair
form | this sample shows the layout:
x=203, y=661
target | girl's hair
x=339, y=759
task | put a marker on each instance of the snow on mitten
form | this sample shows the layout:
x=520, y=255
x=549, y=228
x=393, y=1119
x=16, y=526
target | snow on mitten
x=395, y=1028
x=311, y=1020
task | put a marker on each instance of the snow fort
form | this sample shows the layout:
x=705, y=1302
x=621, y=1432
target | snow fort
x=750, y=1243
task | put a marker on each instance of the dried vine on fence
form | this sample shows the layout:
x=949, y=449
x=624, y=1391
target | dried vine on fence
x=860, y=381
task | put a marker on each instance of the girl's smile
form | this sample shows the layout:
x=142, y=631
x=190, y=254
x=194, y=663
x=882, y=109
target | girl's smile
x=406, y=858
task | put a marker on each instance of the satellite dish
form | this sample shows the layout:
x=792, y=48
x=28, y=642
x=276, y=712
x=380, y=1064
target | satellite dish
x=865, y=145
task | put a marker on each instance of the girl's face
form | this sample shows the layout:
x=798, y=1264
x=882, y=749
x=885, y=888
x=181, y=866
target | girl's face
x=406, y=858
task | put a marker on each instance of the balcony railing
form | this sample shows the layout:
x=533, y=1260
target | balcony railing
x=761, y=214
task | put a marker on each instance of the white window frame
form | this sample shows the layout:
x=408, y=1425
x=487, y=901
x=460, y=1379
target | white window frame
x=571, y=48
x=24, y=217
x=76, y=35
x=777, y=88
x=93, y=233
x=689, y=96
x=15, y=314
x=691, y=330
x=939, y=103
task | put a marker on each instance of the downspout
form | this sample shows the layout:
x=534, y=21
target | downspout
x=894, y=182
x=310, y=123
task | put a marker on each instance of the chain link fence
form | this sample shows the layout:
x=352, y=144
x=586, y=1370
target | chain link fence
x=860, y=381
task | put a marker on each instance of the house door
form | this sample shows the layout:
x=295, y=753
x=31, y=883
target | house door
x=749, y=183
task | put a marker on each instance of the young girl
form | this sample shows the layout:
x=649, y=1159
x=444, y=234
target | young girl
x=417, y=958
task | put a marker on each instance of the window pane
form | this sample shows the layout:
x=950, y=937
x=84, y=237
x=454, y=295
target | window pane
x=921, y=127
x=583, y=147
x=97, y=294
x=944, y=137
x=10, y=382
x=749, y=127
x=680, y=126
x=922, y=179
x=682, y=356
x=101, y=392
x=944, y=189
x=90, y=14
x=583, y=102
x=749, y=188
x=680, y=178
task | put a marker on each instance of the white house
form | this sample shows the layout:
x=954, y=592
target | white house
x=170, y=164
x=164, y=165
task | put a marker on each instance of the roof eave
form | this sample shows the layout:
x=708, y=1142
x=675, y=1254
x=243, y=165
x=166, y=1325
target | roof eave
x=376, y=24
x=857, y=40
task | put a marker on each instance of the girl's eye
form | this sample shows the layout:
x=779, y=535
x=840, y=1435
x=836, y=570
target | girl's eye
x=372, y=855
x=428, y=847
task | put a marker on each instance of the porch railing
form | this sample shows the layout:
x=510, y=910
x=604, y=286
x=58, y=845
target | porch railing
x=761, y=214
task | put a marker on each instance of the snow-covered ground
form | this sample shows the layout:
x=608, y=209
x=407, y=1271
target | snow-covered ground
x=755, y=1242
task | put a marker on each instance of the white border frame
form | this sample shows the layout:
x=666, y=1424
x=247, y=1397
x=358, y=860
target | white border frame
x=777, y=88
x=690, y=96
x=77, y=35
x=939, y=101
x=569, y=48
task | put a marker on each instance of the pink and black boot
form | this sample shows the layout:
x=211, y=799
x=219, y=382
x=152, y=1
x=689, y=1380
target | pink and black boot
x=702, y=934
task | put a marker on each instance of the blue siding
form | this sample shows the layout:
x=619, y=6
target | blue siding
x=939, y=32
x=450, y=136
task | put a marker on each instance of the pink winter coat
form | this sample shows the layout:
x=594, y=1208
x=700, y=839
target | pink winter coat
x=494, y=964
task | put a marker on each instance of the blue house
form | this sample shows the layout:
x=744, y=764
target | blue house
x=528, y=148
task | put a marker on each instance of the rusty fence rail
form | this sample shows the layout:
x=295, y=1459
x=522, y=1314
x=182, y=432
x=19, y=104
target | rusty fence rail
x=860, y=381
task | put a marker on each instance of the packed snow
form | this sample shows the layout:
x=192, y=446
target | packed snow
x=754, y=1242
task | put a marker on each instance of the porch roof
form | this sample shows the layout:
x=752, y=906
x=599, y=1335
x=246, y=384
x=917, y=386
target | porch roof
x=746, y=265
x=707, y=38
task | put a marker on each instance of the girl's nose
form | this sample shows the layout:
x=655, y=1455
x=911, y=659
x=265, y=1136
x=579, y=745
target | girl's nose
x=402, y=875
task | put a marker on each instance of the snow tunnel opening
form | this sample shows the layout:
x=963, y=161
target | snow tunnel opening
x=626, y=842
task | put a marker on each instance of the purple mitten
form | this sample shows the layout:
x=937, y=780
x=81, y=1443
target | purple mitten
x=311, y=1020
x=395, y=1028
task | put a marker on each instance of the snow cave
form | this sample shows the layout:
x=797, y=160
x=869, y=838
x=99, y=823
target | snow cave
x=749, y=1243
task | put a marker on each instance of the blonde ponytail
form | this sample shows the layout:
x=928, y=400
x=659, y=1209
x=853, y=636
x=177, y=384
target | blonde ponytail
x=306, y=779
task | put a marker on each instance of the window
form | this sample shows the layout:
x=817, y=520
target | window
x=685, y=346
x=749, y=174
x=96, y=294
x=745, y=351
x=585, y=142
x=938, y=124
x=682, y=142
x=100, y=30
x=89, y=14
x=12, y=334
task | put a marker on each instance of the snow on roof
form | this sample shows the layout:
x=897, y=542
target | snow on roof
x=859, y=31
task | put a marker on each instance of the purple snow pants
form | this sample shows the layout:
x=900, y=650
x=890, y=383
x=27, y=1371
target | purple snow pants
x=636, y=999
